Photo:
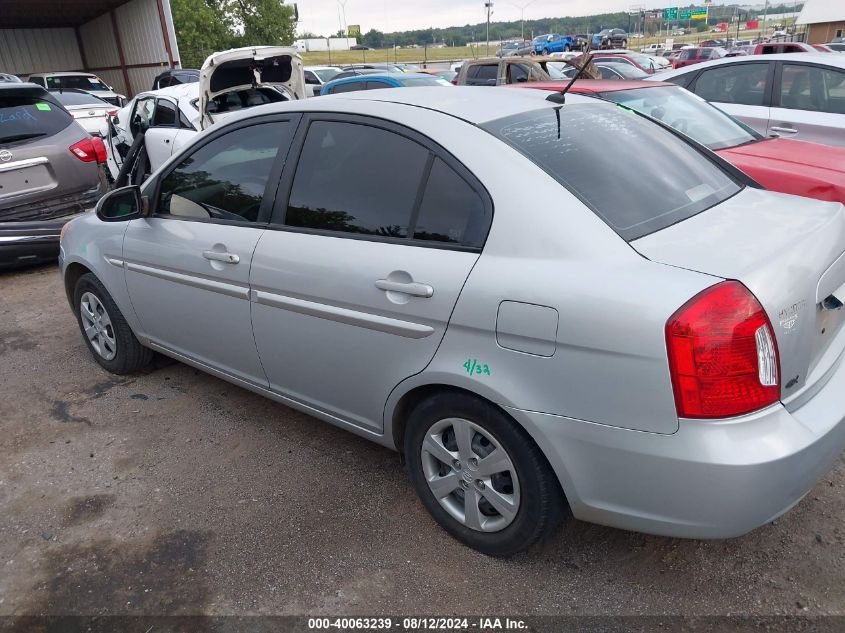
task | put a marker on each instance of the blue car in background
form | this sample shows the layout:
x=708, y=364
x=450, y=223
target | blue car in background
x=553, y=43
x=382, y=80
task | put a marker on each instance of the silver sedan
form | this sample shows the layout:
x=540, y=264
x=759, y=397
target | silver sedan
x=470, y=279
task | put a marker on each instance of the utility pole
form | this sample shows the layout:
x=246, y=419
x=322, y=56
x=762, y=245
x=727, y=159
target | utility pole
x=522, y=8
x=489, y=6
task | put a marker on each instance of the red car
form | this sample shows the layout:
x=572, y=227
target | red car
x=690, y=56
x=791, y=166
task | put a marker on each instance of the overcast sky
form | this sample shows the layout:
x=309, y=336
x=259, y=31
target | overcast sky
x=321, y=16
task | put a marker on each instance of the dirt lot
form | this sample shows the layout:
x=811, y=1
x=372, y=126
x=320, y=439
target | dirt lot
x=175, y=492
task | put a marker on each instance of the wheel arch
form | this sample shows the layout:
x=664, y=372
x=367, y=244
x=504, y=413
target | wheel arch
x=73, y=272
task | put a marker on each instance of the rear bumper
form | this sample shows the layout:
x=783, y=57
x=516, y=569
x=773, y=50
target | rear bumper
x=28, y=243
x=708, y=480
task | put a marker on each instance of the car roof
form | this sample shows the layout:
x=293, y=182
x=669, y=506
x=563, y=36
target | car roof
x=591, y=86
x=63, y=73
x=22, y=87
x=470, y=103
x=818, y=57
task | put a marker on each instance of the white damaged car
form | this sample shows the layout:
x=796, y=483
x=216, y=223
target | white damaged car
x=230, y=81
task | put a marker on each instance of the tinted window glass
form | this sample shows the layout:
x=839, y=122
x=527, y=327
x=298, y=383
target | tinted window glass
x=451, y=210
x=377, y=85
x=812, y=88
x=225, y=179
x=352, y=86
x=733, y=83
x=357, y=179
x=68, y=98
x=518, y=73
x=165, y=115
x=24, y=117
x=79, y=82
x=634, y=202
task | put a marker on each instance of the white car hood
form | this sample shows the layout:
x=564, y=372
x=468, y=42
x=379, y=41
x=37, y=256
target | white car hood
x=243, y=68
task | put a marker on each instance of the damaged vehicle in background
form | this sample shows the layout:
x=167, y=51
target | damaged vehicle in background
x=79, y=81
x=50, y=171
x=230, y=81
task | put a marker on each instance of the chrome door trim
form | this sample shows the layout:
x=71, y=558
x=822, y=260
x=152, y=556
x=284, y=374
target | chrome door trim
x=27, y=162
x=231, y=290
x=406, y=329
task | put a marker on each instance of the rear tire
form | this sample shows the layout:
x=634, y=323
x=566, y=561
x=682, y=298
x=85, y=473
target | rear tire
x=523, y=502
x=104, y=329
x=545, y=52
x=566, y=48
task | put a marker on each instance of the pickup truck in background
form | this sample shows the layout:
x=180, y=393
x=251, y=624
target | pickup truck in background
x=553, y=43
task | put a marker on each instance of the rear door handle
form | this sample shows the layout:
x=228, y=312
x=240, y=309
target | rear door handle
x=412, y=288
x=784, y=130
x=226, y=258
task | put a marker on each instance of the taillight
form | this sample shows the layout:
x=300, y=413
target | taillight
x=723, y=356
x=89, y=150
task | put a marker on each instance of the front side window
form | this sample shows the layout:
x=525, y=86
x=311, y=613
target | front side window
x=812, y=88
x=688, y=114
x=356, y=178
x=734, y=83
x=570, y=145
x=311, y=78
x=225, y=179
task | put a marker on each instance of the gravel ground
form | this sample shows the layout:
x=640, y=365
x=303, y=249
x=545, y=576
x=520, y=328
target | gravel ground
x=173, y=492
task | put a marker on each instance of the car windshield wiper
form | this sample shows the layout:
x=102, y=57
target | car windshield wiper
x=20, y=137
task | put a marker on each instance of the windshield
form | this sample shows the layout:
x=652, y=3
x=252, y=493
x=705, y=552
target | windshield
x=411, y=82
x=25, y=117
x=629, y=186
x=79, y=82
x=688, y=114
x=326, y=74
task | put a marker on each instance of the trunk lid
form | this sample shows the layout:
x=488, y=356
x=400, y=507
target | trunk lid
x=241, y=68
x=786, y=250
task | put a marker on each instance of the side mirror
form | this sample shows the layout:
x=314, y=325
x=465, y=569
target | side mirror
x=122, y=205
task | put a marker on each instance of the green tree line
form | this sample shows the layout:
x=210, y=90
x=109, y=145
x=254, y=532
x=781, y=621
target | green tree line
x=206, y=26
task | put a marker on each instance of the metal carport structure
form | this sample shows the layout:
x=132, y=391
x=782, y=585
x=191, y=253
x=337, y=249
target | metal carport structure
x=126, y=42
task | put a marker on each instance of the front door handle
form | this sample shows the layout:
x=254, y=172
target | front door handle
x=784, y=130
x=226, y=258
x=411, y=288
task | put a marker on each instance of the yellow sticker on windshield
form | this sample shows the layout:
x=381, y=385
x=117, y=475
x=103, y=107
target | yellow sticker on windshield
x=45, y=107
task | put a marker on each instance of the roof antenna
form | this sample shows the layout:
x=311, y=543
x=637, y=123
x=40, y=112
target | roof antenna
x=560, y=97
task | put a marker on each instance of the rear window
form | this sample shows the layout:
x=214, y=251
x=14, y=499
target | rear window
x=614, y=161
x=69, y=98
x=25, y=117
x=77, y=82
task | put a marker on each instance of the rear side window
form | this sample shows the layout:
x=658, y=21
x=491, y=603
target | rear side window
x=24, y=117
x=483, y=72
x=352, y=86
x=356, y=179
x=165, y=114
x=570, y=144
x=805, y=87
x=734, y=83
x=451, y=210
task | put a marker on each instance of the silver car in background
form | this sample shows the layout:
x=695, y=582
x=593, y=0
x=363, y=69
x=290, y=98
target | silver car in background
x=651, y=349
x=49, y=171
x=790, y=95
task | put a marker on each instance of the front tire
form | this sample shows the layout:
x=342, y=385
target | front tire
x=104, y=329
x=545, y=52
x=566, y=48
x=481, y=477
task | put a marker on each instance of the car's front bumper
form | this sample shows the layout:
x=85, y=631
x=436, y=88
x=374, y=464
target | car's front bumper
x=28, y=243
x=714, y=479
